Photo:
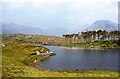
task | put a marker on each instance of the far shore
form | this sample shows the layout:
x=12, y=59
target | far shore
x=89, y=48
x=84, y=48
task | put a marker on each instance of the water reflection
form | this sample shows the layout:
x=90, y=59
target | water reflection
x=81, y=59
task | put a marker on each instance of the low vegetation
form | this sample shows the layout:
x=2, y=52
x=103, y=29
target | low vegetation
x=100, y=38
x=96, y=44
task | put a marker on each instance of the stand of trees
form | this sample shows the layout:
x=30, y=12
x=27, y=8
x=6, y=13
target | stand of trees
x=91, y=36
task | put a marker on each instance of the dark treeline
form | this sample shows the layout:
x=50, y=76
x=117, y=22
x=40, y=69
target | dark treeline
x=92, y=36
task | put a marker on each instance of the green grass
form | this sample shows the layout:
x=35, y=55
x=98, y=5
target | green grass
x=86, y=73
x=30, y=59
x=97, y=44
x=15, y=57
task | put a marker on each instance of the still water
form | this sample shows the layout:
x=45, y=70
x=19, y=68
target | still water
x=81, y=59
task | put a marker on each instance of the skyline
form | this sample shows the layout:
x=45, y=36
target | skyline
x=50, y=14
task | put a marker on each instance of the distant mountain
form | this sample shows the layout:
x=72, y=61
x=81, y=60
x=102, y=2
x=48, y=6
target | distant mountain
x=103, y=25
x=12, y=28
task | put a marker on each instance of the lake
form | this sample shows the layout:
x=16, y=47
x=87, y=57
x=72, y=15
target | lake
x=81, y=59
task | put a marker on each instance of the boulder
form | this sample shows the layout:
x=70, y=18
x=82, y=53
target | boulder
x=52, y=54
x=37, y=53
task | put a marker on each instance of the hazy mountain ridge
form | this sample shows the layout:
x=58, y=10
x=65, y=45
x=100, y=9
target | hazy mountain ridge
x=102, y=25
x=12, y=28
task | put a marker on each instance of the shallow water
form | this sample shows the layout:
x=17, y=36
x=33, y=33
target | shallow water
x=81, y=59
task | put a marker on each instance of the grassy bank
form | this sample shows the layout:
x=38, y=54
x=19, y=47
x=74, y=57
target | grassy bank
x=96, y=44
x=16, y=60
x=58, y=41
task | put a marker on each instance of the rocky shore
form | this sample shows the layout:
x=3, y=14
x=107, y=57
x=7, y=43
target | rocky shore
x=45, y=54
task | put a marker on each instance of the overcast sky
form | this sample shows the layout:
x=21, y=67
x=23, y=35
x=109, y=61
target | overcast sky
x=68, y=14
